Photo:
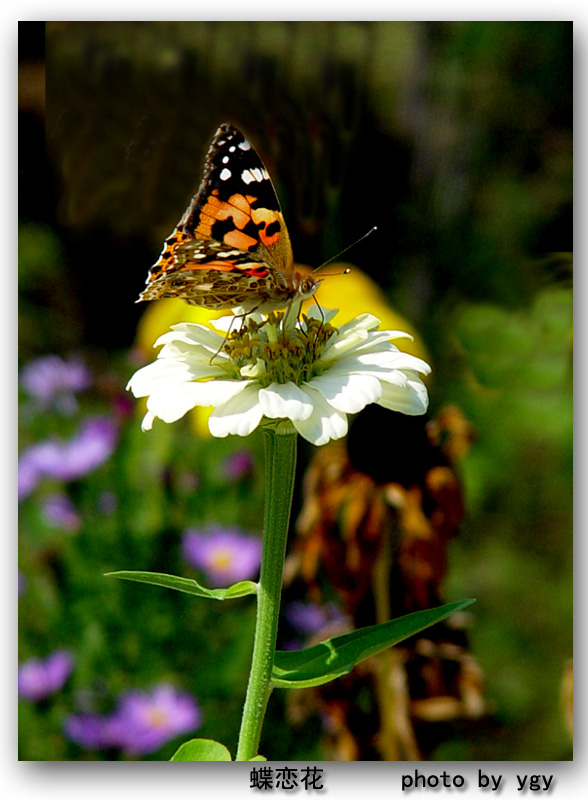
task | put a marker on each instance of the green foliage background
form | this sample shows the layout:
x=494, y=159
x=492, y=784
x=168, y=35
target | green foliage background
x=455, y=139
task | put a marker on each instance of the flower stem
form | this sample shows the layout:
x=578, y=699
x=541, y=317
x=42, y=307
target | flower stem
x=280, y=455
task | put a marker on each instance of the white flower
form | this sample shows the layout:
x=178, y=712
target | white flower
x=308, y=372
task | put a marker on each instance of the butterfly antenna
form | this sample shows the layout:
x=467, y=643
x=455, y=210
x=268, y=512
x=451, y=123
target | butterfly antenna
x=345, y=249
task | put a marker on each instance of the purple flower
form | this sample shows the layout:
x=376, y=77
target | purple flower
x=86, y=451
x=141, y=724
x=147, y=720
x=28, y=473
x=59, y=512
x=38, y=678
x=54, y=382
x=238, y=466
x=309, y=618
x=225, y=556
x=93, y=731
x=22, y=583
x=67, y=460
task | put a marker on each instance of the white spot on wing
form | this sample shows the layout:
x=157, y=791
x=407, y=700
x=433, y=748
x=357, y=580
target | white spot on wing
x=256, y=174
x=244, y=145
x=225, y=174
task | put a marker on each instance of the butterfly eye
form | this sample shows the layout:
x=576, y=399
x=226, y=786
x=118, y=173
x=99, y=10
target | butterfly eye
x=309, y=286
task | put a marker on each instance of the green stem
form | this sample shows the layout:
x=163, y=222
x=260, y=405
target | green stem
x=280, y=453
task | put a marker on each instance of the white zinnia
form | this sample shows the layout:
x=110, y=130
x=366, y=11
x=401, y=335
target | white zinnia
x=352, y=366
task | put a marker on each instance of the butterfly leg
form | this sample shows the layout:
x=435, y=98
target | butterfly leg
x=227, y=334
x=320, y=308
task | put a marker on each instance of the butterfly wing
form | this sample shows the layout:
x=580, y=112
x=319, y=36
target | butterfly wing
x=234, y=224
x=214, y=275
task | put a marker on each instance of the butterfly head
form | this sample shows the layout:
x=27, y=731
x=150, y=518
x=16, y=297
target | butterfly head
x=307, y=286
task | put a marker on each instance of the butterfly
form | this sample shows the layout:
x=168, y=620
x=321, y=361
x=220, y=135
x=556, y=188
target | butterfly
x=231, y=249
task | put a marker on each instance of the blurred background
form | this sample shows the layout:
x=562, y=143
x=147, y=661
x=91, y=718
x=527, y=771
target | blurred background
x=455, y=139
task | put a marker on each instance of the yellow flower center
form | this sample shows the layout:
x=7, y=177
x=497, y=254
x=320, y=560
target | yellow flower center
x=278, y=354
x=221, y=559
x=157, y=717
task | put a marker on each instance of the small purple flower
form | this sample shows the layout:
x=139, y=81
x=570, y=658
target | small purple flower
x=59, y=512
x=89, y=449
x=309, y=618
x=22, y=584
x=92, y=731
x=28, y=472
x=39, y=678
x=54, y=382
x=141, y=724
x=147, y=720
x=225, y=556
x=67, y=460
x=239, y=465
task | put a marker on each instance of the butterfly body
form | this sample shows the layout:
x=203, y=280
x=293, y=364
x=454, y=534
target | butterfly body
x=231, y=249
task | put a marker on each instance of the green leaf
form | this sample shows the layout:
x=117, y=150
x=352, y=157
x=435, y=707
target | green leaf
x=258, y=758
x=201, y=750
x=188, y=585
x=296, y=669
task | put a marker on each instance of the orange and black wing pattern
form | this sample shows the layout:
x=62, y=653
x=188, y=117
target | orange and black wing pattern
x=232, y=242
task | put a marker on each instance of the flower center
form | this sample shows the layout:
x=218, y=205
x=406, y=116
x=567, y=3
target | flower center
x=157, y=717
x=221, y=559
x=272, y=352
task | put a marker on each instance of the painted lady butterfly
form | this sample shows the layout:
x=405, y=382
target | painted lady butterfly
x=231, y=249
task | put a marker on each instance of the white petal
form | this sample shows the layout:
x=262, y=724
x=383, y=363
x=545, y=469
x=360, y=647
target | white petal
x=217, y=392
x=325, y=422
x=398, y=335
x=352, y=334
x=358, y=339
x=164, y=374
x=197, y=355
x=192, y=333
x=352, y=366
x=379, y=342
x=365, y=321
x=346, y=392
x=148, y=378
x=411, y=399
x=147, y=422
x=394, y=359
x=172, y=405
x=224, y=324
x=337, y=346
x=240, y=416
x=285, y=400
x=390, y=366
